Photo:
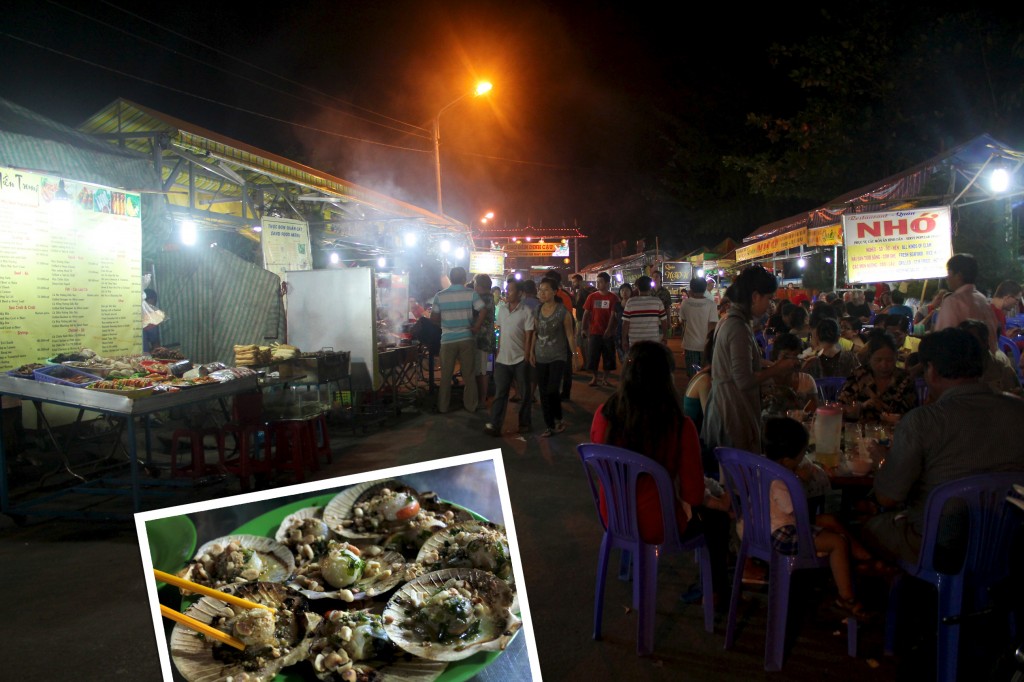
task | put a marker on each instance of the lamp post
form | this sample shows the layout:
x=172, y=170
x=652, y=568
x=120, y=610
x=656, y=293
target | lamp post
x=482, y=88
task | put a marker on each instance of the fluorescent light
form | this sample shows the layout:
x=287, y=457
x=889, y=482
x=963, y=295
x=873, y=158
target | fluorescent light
x=187, y=232
x=999, y=180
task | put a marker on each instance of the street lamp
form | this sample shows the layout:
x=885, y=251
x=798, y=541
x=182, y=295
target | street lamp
x=482, y=88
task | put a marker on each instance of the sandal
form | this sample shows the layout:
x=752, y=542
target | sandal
x=852, y=607
x=605, y=382
x=559, y=427
x=547, y=433
x=592, y=382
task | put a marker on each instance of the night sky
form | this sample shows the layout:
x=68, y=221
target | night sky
x=567, y=137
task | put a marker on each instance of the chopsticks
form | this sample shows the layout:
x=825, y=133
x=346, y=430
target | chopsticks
x=197, y=625
x=201, y=627
x=209, y=591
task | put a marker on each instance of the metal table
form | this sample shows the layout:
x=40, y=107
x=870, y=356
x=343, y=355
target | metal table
x=115, y=406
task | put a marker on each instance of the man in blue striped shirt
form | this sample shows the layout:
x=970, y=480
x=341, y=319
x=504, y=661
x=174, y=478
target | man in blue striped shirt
x=453, y=308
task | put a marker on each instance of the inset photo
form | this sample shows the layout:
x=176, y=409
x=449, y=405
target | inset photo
x=410, y=573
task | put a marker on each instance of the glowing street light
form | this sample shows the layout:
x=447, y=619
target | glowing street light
x=999, y=181
x=482, y=88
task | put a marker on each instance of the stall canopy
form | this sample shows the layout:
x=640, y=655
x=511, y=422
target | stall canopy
x=224, y=184
x=956, y=171
x=31, y=141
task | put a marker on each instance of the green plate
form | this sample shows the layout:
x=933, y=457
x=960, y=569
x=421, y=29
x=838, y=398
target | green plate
x=172, y=542
x=266, y=525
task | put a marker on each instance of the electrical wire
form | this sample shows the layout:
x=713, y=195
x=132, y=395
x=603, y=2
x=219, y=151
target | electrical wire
x=258, y=83
x=210, y=100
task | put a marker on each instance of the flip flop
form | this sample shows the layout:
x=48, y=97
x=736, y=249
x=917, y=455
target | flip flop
x=852, y=607
x=559, y=427
x=547, y=433
x=592, y=382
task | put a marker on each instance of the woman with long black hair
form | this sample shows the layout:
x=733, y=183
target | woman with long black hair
x=645, y=415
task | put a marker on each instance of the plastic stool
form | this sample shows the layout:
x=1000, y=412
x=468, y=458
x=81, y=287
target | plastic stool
x=294, y=446
x=197, y=445
x=321, y=439
x=247, y=437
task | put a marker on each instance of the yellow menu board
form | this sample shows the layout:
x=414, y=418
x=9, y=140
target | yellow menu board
x=70, y=268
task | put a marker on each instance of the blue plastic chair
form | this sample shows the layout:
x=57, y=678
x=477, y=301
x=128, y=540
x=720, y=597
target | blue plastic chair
x=617, y=471
x=748, y=479
x=922, y=390
x=1007, y=345
x=990, y=523
x=829, y=387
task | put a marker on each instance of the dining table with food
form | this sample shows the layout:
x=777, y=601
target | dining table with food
x=410, y=577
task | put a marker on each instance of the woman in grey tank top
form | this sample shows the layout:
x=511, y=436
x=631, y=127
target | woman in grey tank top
x=553, y=335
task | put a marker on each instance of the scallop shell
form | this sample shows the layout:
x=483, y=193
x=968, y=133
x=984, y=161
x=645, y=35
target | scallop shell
x=298, y=516
x=281, y=563
x=499, y=626
x=443, y=542
x=303, y=554
x=364, y=588
x=194, y=655
x=339, y=509
x=394, y=665
x=431, y=502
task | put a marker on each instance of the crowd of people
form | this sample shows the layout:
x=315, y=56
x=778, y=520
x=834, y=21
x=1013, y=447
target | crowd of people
x=929, y=370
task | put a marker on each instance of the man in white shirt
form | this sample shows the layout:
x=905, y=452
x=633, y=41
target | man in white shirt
x=516, y=322
x=966, y=302
x=699, y=316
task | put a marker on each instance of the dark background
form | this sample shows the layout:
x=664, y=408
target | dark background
x=623, y=119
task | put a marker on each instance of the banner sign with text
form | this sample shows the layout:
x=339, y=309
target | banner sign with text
x=897, y=245
x=70, y=268
x=533, y=249
x=830, y=235
x=767, y=247
x=285, y=245
x=487, y=262
x=677, y=272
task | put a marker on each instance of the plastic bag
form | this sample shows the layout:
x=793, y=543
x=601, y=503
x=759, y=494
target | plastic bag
x=151, y=316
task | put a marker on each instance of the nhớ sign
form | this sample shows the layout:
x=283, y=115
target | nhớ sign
x=897, y=245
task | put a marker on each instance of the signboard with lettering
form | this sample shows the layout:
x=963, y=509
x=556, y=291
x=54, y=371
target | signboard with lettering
x=830, y=235
x=487, y=262
x=767, y=247
x=677, y=272
x=70, y=268
x=897, y=245
x=532, y=249
x=285, y=245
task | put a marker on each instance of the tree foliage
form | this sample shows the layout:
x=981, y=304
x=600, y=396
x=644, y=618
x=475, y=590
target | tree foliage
x=883, y=92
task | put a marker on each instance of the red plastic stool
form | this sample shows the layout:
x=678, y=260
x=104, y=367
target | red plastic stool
x=294, y=446
x=246, y=425
x=197, y=446
x=246, y=463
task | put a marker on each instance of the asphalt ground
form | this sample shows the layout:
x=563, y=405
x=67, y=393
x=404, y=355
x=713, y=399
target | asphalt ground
x=75, y=605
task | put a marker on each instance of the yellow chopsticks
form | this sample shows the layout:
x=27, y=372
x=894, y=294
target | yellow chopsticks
x=209, y=591
x=201, y=627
